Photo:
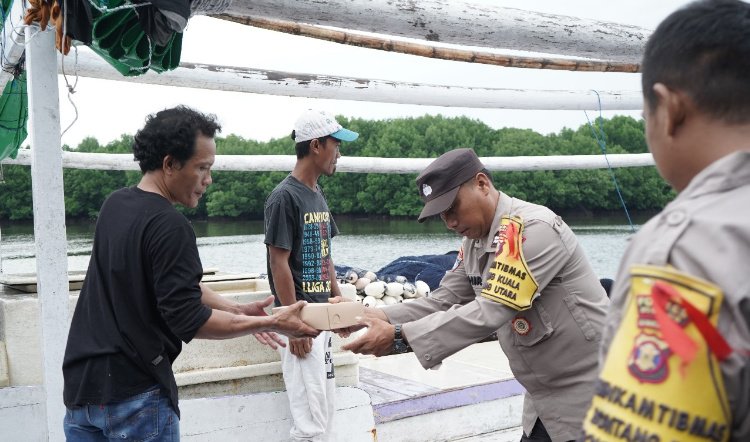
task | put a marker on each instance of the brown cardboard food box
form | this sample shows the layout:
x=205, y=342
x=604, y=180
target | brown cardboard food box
x=330, y=316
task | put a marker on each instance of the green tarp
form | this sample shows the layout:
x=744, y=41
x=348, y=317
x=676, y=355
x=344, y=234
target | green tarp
x=14, y=111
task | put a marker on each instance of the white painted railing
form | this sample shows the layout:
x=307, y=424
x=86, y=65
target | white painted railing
x=266, y=163
x=463, y=22
x=49, y=218
x=257, y=81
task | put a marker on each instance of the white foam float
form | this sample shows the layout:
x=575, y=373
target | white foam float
x=369, y=301
x=361, y=283
x=422, y=289
x=375, y=289
x=394, y=289
x=390, y=300
x=348, y=291
x=410, y=290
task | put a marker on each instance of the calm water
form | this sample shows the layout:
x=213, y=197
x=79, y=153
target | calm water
x=237, y=246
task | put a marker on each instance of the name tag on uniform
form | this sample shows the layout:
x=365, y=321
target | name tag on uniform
x=510, y=282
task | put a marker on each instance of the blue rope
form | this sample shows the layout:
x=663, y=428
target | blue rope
x=602, y=144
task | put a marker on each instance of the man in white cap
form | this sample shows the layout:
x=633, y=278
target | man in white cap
x=298, y=233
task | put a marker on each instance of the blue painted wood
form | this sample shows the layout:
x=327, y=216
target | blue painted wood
x=442, y=400
x=385, y=388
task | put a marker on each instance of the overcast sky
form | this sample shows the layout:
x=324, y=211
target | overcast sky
x=108, y=108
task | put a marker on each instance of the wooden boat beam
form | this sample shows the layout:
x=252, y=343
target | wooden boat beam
x=285, y=163
x=432, y=51
x=461, y=22
x=250, y=80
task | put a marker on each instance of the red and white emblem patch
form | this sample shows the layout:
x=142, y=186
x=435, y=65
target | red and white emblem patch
x=521, y=326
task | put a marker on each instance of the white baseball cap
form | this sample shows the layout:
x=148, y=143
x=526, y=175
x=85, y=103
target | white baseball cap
x=315, y=124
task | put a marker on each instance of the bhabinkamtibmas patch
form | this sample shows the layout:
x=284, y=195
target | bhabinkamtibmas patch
x=510, y=282
x=648, y=389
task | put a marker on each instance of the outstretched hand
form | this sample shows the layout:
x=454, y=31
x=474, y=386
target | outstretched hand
x=270, y=339
x=370, y=312
x=256, y=308
x=377, y=341
x=288, y=322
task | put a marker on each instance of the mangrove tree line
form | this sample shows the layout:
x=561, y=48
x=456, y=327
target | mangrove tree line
x=242, y=194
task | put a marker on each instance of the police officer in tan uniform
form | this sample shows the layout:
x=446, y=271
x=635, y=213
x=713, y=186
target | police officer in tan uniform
x=674, y=358
x=521, y=273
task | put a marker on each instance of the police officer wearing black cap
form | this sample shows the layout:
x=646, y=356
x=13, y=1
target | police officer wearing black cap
x=520, y=272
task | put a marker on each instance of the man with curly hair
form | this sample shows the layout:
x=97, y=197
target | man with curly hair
x=142, y=296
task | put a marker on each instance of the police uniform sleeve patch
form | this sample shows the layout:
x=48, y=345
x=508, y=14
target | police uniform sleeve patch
x=509, y=281
x=661, y=379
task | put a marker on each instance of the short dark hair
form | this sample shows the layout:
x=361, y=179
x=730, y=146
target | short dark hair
x=303, y=147
x=171, y=132
x=703, y=50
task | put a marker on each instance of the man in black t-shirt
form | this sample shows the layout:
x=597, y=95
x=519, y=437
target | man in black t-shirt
x=299, y=229
x=142, y=296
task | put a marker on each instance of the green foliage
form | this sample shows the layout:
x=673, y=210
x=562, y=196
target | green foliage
x=242, y=194
x=15, y=193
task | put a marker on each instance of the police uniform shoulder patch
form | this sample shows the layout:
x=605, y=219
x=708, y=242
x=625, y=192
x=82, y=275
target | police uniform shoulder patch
x=661, y=379
x=509, y=281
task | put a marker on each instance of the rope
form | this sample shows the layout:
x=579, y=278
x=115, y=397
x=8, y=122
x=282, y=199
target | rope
x=127, y=5
x=63, y=53
x=603, y=146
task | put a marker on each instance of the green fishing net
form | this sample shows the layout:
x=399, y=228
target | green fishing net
x=14, y=112
x=118, y=37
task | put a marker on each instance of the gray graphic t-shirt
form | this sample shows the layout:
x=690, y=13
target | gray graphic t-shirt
x=297, y=219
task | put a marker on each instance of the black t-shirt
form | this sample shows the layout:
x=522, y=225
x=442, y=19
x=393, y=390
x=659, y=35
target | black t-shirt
x=297, y=219
x=140, y=298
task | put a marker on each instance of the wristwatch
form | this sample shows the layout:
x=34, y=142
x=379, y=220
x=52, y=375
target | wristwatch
x=399, y=343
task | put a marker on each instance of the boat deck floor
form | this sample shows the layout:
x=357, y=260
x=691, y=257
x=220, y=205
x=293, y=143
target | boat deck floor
x=400, y=387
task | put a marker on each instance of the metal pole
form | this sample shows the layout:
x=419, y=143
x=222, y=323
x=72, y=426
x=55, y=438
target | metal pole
x=49, y=218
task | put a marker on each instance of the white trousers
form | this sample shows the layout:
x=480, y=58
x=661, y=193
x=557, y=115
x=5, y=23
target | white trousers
x=310, y=386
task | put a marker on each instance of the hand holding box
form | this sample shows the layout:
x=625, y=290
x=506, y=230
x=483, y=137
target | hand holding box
x=330, y=316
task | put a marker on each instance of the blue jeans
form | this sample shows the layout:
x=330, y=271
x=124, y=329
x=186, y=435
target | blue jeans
x=144, y=417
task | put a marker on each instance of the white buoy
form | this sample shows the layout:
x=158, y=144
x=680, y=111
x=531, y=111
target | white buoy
x=390, y=300
x=379, y=303
x=399, y=298
x=375, y=289
x=348, y=291
x=371, y=276
x=394, y=289
x=410, y=290
x=369, y=301
x=361, y=283
x=360, y=298
x=351, y=277
x=422, y=289
x=401, y=279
